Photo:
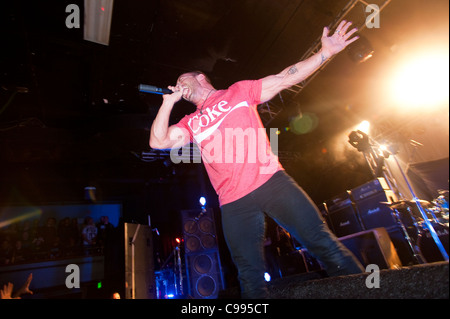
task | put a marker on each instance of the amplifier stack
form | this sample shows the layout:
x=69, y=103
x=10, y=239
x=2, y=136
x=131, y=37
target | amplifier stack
x=370, y=200
x=360, y=214
x=373, y=210
x=362, y=208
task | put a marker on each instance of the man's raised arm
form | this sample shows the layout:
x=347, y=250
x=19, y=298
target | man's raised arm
x=331, y=45
x=163, y=136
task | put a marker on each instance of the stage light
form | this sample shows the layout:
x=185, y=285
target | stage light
x=202, y=201
x=359, y=140
x=267, y=277
x=384, y=151
x=421, y=81
x=364, y=127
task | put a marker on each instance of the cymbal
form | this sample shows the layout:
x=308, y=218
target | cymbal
x=406, y=203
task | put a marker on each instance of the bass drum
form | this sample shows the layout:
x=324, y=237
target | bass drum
x=428, y=246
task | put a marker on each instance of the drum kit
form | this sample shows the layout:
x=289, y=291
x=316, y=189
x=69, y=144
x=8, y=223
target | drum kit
x=425, y=225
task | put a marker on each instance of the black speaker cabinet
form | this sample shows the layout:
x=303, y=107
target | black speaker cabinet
x=139, y=270
x=368, y=199
x=202, y=259
x=373, y=213
x=204, y=274
x=343, y=216
x=373, y=247
x=199, y=230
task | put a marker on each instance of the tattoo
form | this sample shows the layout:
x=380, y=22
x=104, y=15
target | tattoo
x=323, y=59
x=293, y=70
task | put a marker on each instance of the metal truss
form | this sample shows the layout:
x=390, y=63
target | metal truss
x=351, y=12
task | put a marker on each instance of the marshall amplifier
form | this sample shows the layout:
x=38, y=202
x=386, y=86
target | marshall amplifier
x=369, y=189
x=368, y=199
x=343, y=216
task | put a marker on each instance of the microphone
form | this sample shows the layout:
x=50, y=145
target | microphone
x=144, y=88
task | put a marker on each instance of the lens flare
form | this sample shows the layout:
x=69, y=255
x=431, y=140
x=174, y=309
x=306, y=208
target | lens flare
x=304, y=123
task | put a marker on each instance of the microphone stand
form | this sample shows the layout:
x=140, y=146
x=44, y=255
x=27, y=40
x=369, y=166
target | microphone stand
x=180, y=271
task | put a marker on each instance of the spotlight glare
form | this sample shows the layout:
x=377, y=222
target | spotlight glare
x=267, y=276
x=422, y=81
x=202, y=201
x=364, y=127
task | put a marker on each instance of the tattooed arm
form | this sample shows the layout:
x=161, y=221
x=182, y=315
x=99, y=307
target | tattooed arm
x=331, y=45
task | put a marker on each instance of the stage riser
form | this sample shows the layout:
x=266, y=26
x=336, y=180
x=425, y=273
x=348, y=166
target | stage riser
x=428, y=281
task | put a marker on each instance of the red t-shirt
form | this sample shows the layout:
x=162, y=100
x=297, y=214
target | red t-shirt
x=233, y=141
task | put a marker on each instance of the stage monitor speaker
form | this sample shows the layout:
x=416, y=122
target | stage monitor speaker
x=202, y=259
x=373, y=247
x=343, y=216
x=139, y=263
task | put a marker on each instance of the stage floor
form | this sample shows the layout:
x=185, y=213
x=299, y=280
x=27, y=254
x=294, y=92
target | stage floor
x=429, y=281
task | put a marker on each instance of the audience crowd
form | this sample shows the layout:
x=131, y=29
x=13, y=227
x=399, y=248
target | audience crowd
x=32, y=241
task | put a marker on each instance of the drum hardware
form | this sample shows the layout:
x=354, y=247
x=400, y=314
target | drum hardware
x=169, y=281
x=415, y=231
x=443, y=192
x=431, y=209
x=376, y=161
x=426, y=244
x=422, y=211
x=405, y=203
x=411, y=241
x=442, y=207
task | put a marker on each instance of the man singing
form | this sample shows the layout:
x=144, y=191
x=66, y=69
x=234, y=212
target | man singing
x=246, y=175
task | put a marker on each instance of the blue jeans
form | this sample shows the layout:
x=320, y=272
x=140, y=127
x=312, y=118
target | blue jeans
x=285, y=202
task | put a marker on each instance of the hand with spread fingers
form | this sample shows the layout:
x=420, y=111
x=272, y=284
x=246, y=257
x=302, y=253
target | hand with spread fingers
x=334, y=44
x=7, y=291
